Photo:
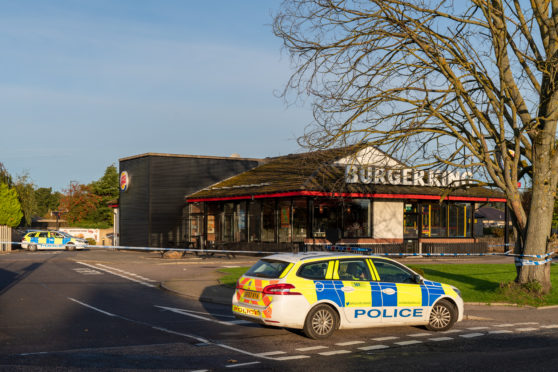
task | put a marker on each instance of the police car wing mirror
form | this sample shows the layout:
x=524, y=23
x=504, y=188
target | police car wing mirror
x=418, y=279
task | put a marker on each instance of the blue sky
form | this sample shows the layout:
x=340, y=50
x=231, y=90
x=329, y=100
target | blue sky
x=84, y=83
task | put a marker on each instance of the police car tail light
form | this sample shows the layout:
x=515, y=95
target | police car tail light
x=280, y=289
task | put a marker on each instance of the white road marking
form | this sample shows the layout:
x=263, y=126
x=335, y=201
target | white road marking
x=504, y=325
x=500, y=332
x=86, y=271
x=127, y=273
x=453, y=331
x=270, y=353
x=476, y=328
x=437, y=339
x=90, y=307
x=411, y=342
x=526, y=323
x=186, y=313
x=119, y=275
x=419, y=335
x=311, y=348
x=529, y=329
x=291, y=357
x=550, y=326
x=241, y=364
x=373, y=347
x=385, y=338
x=471, y=335
x=335, y=352
x=349, y=343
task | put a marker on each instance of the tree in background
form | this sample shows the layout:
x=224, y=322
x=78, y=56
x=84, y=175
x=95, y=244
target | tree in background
x=439, y=84
x=107, y=188
x=26, y=194
x=5, y=177
x=10, y=209
x=78, y=203
x=46, y=201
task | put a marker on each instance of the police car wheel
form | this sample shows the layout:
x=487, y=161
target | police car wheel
x=70, y=247
x=321, y=322
x=442, y=316
x=32, y=247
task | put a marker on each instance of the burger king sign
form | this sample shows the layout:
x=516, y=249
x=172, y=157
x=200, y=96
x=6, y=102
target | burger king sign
x=124, y=181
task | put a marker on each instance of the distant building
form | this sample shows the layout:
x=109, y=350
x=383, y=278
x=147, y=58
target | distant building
x=491, y=217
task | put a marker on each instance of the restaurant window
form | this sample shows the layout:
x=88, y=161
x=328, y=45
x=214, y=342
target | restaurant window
x=459, y=219
x=214, y=223
x=410, y=220
x=195, y=222
x=325, y=219
x=285, y=219
x=227, y=233
x=434, y=220
x=268, y=221
x=254, y=221
x=356, y=218
x=300, y=219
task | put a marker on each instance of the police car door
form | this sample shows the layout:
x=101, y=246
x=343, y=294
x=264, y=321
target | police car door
x=354, y=290
x=401, y=294
x=42, y=239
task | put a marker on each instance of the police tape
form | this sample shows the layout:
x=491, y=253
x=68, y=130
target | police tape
x=334, y=248
x=337, y=248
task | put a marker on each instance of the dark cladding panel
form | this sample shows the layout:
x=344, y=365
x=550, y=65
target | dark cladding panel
x=134, y=203
x=172, y=178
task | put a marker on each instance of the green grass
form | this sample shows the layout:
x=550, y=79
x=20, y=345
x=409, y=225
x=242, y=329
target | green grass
x=477, y=282
x=481, y=282
x=232, y=275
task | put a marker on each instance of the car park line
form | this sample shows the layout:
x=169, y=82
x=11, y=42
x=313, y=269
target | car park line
x=127, y=273
x=471, y=335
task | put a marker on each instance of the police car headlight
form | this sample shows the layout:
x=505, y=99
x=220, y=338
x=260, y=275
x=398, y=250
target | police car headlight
x=457, y=291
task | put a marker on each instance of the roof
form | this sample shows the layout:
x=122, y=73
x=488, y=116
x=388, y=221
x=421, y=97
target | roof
x=147, y=154
x=317, y=174
x=490, y=213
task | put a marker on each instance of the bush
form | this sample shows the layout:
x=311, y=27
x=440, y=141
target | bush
x=91, y=241
x=494, y=231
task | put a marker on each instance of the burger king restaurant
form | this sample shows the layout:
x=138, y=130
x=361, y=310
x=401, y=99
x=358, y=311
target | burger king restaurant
x=355, y=196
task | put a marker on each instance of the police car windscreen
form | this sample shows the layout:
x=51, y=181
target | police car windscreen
x=267, y=269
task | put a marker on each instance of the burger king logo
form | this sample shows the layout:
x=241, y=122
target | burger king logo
x=124, y=181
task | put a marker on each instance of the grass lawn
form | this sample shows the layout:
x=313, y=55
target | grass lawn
x=477, y=282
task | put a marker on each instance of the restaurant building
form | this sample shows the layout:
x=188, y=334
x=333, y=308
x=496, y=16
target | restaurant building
x=355, y=196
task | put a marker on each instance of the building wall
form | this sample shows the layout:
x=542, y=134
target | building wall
x=151, y=209
x=387, y=220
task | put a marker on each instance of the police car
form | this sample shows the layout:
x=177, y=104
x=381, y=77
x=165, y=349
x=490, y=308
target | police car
x=321, y=292
x=34, y=240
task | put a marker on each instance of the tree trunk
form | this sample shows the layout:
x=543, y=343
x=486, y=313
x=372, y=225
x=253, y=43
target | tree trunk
x=540, y=223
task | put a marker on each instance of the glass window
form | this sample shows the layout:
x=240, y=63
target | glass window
x=268, y=269
x=393, y=273
x=285, y=217
x=356, y=218
x=459, y=219
x=325, y=219
x=410, y=220
x=240, y=222
x=314, y=270
x=300, y=219
x=254, y=221
x=214, y=223
x=268, y=221
x=353, y=270
x=434, y=220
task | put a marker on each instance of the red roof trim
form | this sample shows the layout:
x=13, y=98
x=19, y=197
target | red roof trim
x=346, y=195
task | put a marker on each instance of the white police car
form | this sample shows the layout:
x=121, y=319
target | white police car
x=321, y=292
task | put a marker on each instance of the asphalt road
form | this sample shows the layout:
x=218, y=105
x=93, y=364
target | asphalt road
x=59, y=313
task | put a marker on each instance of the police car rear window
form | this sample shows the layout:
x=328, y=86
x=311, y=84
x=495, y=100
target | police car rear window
x=267, y=269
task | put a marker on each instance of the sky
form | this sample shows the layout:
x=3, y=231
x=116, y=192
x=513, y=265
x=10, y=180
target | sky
x=84, y=83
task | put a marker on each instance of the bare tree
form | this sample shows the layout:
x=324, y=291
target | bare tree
x=464, y=84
